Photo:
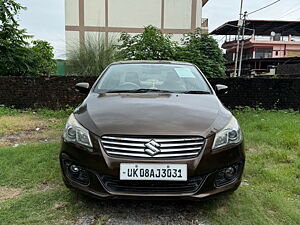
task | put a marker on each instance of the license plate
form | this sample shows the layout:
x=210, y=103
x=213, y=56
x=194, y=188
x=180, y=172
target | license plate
x=149, y=171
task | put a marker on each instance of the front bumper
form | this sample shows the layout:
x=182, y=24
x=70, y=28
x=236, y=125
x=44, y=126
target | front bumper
x=103, y=173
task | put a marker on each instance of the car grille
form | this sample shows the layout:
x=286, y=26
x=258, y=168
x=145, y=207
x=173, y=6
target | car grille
x=164, y=147
x=114, y=184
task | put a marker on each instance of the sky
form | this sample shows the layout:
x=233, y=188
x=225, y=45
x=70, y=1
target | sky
x=45, y=18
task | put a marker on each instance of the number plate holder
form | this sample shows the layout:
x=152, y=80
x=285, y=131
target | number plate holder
x=153, y=171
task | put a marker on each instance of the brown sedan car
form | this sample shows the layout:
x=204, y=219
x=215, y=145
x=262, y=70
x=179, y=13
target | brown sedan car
x=152, y=129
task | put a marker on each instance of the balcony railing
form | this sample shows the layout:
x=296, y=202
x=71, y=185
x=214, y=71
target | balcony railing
x=229, y=39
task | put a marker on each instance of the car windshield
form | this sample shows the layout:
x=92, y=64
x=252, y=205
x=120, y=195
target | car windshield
x=172, y=78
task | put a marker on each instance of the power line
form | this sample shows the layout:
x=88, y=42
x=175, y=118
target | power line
x=221, y=39
x=290, y=12
x=263, y=7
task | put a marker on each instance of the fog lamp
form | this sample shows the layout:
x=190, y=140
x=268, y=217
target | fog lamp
x=74, y=169
x=229, y=172
x=77, y=173
x=228, y=175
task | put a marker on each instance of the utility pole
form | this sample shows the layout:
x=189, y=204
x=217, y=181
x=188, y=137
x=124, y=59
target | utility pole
x=242, y=27
x=242, y=45
x=238, y=40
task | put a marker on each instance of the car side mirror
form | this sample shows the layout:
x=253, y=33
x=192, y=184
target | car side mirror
x=221, y=89
x=83, y=88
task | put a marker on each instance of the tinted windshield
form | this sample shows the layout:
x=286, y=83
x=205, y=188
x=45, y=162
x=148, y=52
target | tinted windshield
x=152, y=77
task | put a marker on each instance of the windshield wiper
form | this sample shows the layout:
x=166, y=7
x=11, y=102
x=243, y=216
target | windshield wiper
x=196, y=92
x=142, y=90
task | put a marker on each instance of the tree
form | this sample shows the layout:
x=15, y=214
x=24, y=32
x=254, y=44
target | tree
x=17, y=57
x=42, y=62
x=152, y=44
x=12, y=39
x=203, y=51
x=199, y=49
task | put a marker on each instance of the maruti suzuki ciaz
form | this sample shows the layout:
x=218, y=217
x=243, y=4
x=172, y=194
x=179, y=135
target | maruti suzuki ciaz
x=152, y=129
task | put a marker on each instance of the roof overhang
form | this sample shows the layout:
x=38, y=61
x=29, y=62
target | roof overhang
x=204, y=2
x=261, y=27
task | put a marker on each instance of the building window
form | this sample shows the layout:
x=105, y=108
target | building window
x=248, y=54
x=230, y=56
x=261, y=53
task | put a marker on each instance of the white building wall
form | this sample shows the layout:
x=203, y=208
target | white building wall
x=111, y=17
x=94, y=12
x=72, y=40
x=178, y=14
x=72, y=12
x=199, y=13
x=134, y=13
x=94, y=36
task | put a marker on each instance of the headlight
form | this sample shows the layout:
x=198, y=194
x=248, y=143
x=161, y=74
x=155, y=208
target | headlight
x=231, y=134
x=76, y=133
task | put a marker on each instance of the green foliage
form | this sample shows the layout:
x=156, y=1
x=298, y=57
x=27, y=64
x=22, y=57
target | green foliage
x=48, y=113
x=16, y=56
x=41, y=58
x=150, y=45
x=199, y=49
x=91, y=57
x=43, y=112
x=7, y=111
x=8, y=9
x=203, y=51
x=13, y=43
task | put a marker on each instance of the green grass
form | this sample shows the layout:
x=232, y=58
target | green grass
x=272, y=173
x=28, y=166
x=40, y=113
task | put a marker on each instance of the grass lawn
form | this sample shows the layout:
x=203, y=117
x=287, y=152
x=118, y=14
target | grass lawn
x=32, y=192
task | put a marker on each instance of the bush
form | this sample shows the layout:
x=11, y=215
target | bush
x=203, y=51
x=152, y=44
x=91, y=57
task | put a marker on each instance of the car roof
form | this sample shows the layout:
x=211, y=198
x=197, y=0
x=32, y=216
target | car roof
x=151, y=62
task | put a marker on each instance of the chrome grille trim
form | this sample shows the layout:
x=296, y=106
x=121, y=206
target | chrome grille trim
x=148, y=156
x=134, y=147
x=149, y=139
x=142, y=149
x=142, y=145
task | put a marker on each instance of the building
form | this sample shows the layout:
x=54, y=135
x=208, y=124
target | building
x=268, y=44
x=109, y=18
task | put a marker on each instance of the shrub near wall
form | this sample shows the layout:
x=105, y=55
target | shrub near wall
x=59, y=92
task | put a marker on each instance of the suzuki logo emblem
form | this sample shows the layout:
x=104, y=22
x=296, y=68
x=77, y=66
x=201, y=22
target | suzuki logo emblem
x=152, y=148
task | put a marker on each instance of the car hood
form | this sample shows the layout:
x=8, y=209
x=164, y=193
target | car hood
x=152, y=114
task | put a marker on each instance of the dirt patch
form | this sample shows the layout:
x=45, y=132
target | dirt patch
x=253, y=150
x=21, y=130
x=11, y=124
x=60, y=205
x=131, y=212
x=46, y=187
x=9, y=193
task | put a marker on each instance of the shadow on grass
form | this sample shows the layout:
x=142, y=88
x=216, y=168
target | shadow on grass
x=158, y=211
